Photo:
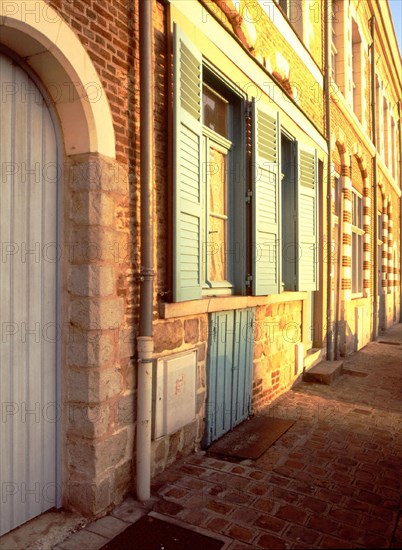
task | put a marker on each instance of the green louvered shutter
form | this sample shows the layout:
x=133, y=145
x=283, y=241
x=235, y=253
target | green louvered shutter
x=266, y=218
x=187, y=133
x=307, y=219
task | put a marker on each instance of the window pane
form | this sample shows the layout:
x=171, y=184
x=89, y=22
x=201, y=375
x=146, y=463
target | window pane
x=217, y=219
x=357, y=262
x=218, y=172
x=215, y=111
x=379, y=227
x=217, y=249
x=360, y=263
x=337, y=198
x=357, y=211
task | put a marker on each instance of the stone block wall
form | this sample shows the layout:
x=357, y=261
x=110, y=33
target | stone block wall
x=171, y=337
x=100, y=272
x=273, y=50
x=278, y=328
x=98, y=376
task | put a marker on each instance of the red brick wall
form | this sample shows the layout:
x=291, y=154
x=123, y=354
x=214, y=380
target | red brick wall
x=109, y=33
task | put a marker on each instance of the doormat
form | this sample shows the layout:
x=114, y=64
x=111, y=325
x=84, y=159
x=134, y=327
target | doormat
x=251, y=438
x=389, y=342
x=150, y=533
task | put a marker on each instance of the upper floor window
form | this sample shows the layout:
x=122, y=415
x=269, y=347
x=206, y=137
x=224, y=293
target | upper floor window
x=378, y=125
x=386, y=132
x=393, y=152
x=337, y=44
x=356, y=81
x=293, y=9
x=337, y=195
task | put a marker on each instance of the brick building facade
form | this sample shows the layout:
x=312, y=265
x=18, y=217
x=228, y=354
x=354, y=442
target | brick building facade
x=277, y=168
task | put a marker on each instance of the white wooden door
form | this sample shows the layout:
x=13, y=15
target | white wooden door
x=28, y=304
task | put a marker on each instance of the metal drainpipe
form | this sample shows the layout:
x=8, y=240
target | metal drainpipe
x=330, y=339
x=375, y=198
x=400, y=203
x=145, y=344
x=338, y=276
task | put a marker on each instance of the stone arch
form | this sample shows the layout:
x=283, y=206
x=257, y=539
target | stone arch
x=39, y=35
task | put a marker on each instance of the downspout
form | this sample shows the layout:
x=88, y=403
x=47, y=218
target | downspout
x=338, y=276
x=400, y=204
x=374, y=186
x=145, y=342
x=330, y=337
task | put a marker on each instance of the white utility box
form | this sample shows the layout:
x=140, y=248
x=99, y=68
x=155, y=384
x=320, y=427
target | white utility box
x=175, y=391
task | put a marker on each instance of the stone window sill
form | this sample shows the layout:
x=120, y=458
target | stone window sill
x=225, y=303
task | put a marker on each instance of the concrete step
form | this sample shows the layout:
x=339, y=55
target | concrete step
x=325, y=372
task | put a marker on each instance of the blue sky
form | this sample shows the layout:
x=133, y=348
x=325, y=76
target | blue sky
x=396, y=10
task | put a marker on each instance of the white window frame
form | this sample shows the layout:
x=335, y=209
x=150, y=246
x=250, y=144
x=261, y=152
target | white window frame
x=225, y=146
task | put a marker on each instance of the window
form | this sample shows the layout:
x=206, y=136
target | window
x=209, y=187
x=288, y=198
x=379, y=250
x=334, y=39
x=293, y=9
x=287, y=252
x=337, y=195
x=357, y=243
x=216, y=160
x=337, y=45
x=227, y=230
x=356, y=82
x=386, y=132
x=379, y=141
x=337, y=213
x=392, y=163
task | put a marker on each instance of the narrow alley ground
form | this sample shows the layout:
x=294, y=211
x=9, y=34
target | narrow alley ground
x=332, y=481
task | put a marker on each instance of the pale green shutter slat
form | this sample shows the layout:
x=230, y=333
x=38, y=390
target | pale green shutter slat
x=187, y=133
x=266, y=219
x=307, y=219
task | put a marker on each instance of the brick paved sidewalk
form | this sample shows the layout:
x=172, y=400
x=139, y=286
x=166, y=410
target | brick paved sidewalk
x=332, y=481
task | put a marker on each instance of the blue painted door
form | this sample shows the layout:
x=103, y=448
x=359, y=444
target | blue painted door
x=229, y=371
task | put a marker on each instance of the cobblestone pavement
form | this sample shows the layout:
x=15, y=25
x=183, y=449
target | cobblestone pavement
x=332, y=481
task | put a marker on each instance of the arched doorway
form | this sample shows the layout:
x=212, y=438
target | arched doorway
x=29, y=217
x=62, y=69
